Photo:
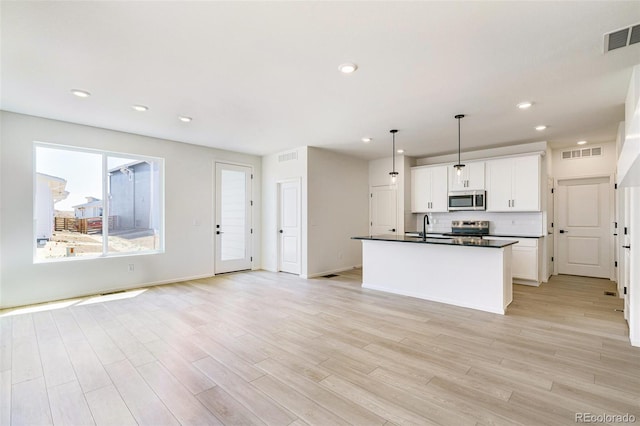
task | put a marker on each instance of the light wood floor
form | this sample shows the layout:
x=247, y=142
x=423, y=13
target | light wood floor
x=265, y=348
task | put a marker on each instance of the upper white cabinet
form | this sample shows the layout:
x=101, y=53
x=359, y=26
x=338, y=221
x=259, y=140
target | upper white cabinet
x=513, y=184
x=471, y=178
x=429, y=189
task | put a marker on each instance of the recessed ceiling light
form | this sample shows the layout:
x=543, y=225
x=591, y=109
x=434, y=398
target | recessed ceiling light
x=582, y=142
x=184, y=119
x=541, y=127
x=524, y=105
x=140, y=108
x=348, y=68
x=80, y=93
x=400, y=151
x=367, y=140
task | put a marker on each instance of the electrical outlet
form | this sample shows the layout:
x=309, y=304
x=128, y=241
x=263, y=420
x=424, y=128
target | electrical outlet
x=131, y=267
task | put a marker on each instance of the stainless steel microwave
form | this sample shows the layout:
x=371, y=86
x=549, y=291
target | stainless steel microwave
x=467, y=200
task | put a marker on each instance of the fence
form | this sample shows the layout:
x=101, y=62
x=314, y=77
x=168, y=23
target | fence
x=90, y=225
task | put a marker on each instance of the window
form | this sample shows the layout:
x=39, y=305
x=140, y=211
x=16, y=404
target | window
x=91, y=203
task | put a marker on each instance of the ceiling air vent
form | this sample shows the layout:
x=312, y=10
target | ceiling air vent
x=622, y=38
x=293, y=155
x=582, y=153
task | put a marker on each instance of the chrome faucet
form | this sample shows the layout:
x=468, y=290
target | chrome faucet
x=425, y=222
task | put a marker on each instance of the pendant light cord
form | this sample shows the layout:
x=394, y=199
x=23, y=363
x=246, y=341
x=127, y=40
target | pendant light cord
x=393, y=153
x=459, y=166
x=459, y=139
x=393, y=173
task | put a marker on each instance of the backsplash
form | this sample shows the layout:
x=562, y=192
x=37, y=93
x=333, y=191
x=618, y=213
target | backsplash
x=524, y=224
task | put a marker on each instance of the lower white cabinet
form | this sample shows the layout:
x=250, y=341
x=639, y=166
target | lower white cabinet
x=524, y=260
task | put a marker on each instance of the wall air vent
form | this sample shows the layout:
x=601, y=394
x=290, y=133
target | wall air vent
x=582, y=153
x=621, y=38
x=635, y=34
x=293, y=155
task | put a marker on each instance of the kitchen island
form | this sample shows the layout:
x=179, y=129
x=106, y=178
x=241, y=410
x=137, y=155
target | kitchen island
x=471, y=273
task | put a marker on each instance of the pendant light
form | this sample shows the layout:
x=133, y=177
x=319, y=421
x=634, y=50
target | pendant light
x=393, y=173
x=459, y=166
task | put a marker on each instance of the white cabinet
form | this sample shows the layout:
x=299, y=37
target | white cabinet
x=513, y=184
x=524, y=264
x=471, y=178
x=524, y=260
x=429, y=189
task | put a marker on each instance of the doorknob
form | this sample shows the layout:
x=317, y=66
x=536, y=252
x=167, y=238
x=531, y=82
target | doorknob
x=219, y=232
x=562, y=231
x=281, y=231
x=392, y=230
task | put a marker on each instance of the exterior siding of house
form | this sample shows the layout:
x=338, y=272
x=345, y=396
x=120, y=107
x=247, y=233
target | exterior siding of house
x=130, y=196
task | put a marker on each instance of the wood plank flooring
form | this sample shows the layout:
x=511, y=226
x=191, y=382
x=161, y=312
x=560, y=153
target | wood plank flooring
x=260, y=348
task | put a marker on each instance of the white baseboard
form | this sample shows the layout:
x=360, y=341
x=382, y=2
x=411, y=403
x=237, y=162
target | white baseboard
x=526, y=282
x=178, y=280
x=333, y=271
x=109, y=290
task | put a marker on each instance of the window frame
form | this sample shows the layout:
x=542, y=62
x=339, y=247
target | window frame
x=105, y=154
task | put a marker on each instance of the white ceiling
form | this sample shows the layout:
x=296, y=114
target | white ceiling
x=262, y=77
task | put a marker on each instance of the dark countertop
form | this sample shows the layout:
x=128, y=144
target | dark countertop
x=515, y=236
x=438, y=235
x=443, y=241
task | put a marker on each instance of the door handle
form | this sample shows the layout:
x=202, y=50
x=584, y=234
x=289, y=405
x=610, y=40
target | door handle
x=219, y=232
x=281, y=231
x=392, y=230
x=629, y=246
x=562, y=231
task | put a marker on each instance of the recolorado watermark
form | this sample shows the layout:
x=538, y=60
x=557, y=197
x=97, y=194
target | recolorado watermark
x=604, y=418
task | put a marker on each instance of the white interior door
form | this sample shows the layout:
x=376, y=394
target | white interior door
x=233, y=218
x=550, y=227
x=583, y=227
x=383, y=210
x=289, y=227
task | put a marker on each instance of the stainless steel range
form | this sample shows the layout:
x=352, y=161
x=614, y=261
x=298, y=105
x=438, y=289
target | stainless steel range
x=470, y=230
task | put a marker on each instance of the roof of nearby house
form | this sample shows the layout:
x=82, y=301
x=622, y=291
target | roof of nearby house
x=125, y=166
x=56, y=185
x=97, y=203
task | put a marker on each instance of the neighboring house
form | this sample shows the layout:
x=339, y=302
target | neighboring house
x=92, y=208
x=130, y=195
x=49, y=190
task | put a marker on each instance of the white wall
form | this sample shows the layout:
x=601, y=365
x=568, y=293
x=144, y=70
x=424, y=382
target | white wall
x=338, y=209
x=628, y=169
x=629, y=159
x=189, y=189
x=604, y=165
x=334, y=208
x=274, y=171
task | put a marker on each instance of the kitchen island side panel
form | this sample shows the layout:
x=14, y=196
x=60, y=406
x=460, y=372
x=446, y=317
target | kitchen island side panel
x=470, y=277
